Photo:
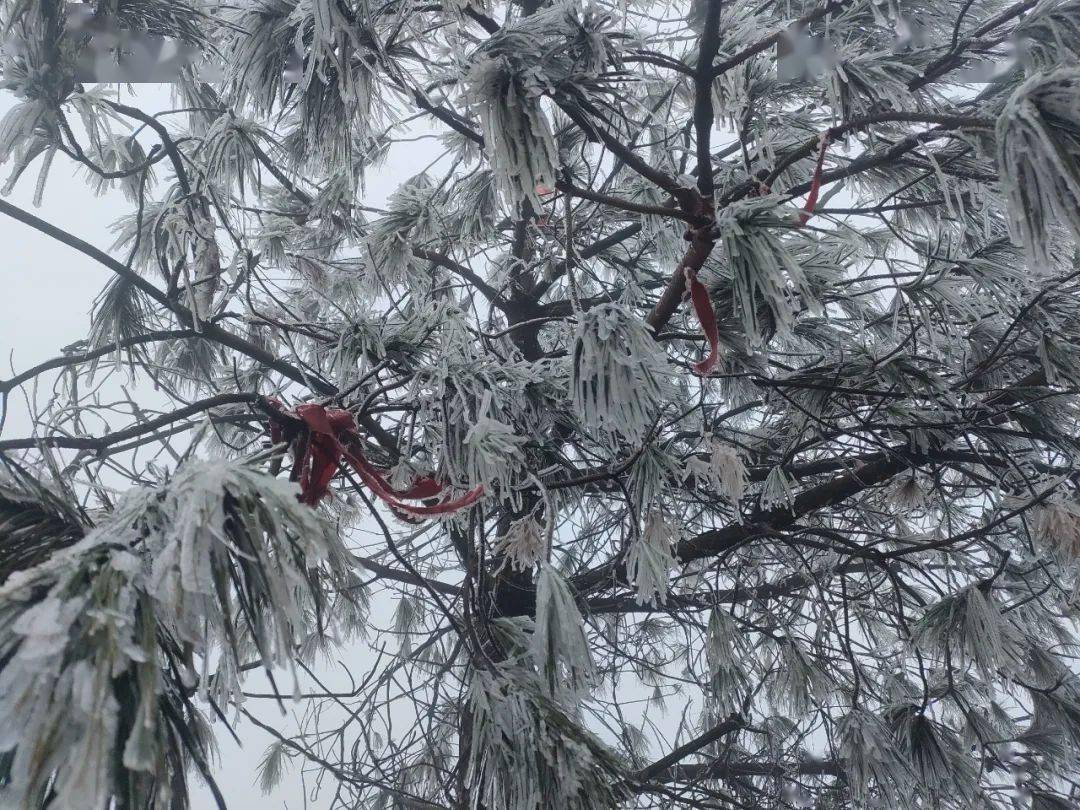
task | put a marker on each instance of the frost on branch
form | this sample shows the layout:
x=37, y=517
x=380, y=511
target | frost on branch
x=941, y=765
x=529, y=752
x=103, y=646
x=411, y=220
x=763, y=273
x=1050, y=34
x=516, y=129
x=799, y=683
x=1038, y=136
x=559, y=644
x=969, y=627
x=476, y=341
x=724, y=470
x=523, y=545
x=477, y=425
x=726, y=654
x=493, y=450
x=556, y=52
x=872, y=759
x=219, y=519
x=1055, y=697
x=650, y=560
x=85, y=682
x=1056, y=528
x=619, y=374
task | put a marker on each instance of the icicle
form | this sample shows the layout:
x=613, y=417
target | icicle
x=18, y=124
x=799, y=683
x=43, y=174
x=560, y=48
x=943, y=182
x=516, y=131
x=777, y=493
x=726, y=653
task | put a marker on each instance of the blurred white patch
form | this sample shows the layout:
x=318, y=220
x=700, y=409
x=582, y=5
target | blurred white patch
x=910, y=35
x=802, y=56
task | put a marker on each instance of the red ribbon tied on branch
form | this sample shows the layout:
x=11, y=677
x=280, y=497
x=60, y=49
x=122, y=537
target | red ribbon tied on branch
x=706, y=315
x=699, y=294
x=815, y=183
x=330, y=436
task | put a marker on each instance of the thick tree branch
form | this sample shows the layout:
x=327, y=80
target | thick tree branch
x=717, y=732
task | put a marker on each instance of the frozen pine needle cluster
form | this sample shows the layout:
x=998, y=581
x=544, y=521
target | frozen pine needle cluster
x=1038, y=137
x=543, y=403
x=107, y=644
x=619, y=375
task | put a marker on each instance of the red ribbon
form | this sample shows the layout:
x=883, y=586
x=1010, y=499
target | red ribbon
x=815, y=184
x=706, y=315
x=332, y=436
x=699, y=295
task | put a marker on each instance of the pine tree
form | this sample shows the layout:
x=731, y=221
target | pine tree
x=698, y=427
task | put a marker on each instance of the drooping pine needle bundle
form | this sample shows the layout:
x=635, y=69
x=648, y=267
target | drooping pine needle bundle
x=507, y=79
x=1038, y=137
x=618, y=375
x=104, y=646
